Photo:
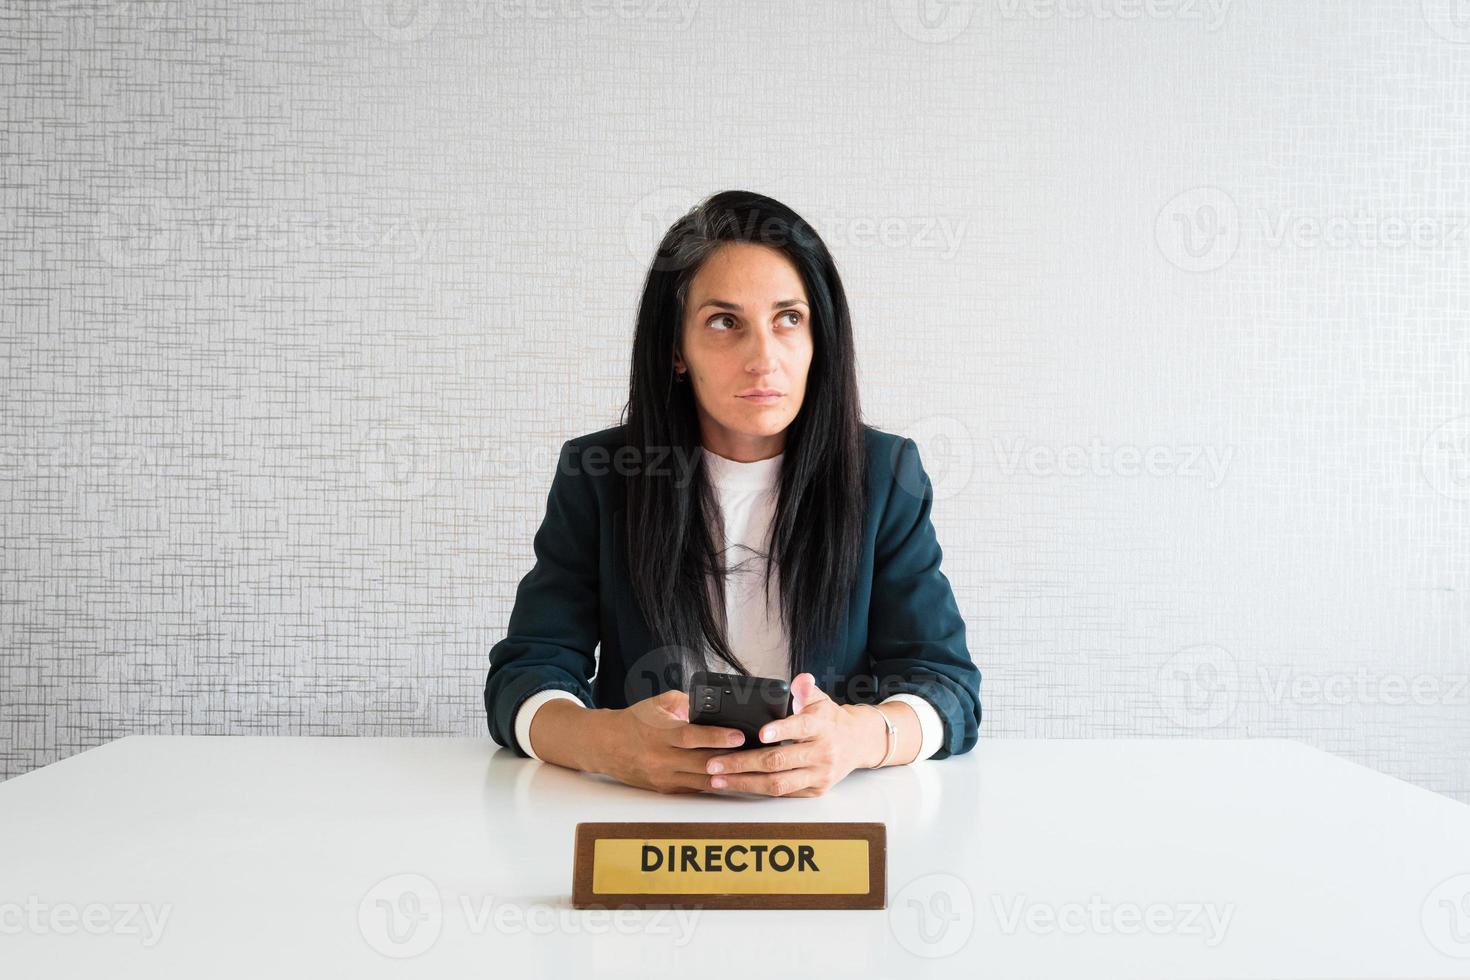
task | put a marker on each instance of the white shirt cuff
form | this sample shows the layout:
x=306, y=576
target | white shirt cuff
x=930, y=724
x=528, y=711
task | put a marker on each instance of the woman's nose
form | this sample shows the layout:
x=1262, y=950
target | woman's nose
x=763, y=356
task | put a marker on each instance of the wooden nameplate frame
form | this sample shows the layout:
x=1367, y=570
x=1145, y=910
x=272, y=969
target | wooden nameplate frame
x=717, y=865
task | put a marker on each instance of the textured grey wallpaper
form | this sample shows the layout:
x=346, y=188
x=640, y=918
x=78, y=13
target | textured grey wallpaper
x=300, y=300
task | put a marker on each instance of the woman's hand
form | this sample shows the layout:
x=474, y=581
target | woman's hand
x=831, y=741
x=652, y=745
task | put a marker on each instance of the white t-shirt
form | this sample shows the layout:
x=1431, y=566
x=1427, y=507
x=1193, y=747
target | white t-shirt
x=747, y=494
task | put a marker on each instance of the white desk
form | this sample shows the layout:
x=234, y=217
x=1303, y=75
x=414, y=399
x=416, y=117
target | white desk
x=1033, y=858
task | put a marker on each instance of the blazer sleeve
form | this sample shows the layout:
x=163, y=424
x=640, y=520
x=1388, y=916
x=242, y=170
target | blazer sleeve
x=551, y=639
x=916, y=635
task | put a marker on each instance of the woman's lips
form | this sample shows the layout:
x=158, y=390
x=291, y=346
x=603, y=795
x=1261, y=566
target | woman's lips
x=762, y=399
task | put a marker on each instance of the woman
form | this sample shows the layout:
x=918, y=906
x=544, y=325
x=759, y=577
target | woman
x=745, y=519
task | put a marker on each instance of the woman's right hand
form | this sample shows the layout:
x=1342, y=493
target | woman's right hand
x=653, y=745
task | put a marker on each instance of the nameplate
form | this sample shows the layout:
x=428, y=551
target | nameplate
x=730, y=865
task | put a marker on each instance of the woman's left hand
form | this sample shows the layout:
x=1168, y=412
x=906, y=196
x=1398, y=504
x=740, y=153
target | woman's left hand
x=831, y=740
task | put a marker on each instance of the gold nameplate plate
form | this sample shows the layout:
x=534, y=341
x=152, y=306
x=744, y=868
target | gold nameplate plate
x=730, y=865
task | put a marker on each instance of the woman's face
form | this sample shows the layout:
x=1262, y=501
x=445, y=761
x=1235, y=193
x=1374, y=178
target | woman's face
x=746, y=328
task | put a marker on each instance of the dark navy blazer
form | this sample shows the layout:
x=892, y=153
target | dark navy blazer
x=904, y=632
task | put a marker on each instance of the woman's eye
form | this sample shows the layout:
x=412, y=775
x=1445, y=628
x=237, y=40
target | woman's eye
x=722, y=316
x=796, y=322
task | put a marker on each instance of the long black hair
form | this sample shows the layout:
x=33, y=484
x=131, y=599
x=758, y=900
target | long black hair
x=674, y=530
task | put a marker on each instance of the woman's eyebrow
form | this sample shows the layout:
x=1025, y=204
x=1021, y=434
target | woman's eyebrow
x=737, y=308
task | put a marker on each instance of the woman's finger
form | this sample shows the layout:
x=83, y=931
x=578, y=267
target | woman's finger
x=805, y=692
x=691, y=760
x=708, y=737
x=767, y=783
x=813, y=721
x=776, y=758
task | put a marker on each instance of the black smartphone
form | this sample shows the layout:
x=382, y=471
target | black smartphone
x=739, y=701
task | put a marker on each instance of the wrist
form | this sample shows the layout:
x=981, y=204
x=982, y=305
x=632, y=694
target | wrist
x=874, y=740
x=568, y=733
x=602, y=738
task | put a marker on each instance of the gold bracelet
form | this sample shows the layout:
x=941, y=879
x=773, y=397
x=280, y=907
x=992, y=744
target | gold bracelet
x=892, y=735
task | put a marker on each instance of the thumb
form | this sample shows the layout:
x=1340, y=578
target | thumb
x=805, y=692
x=675, y=703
